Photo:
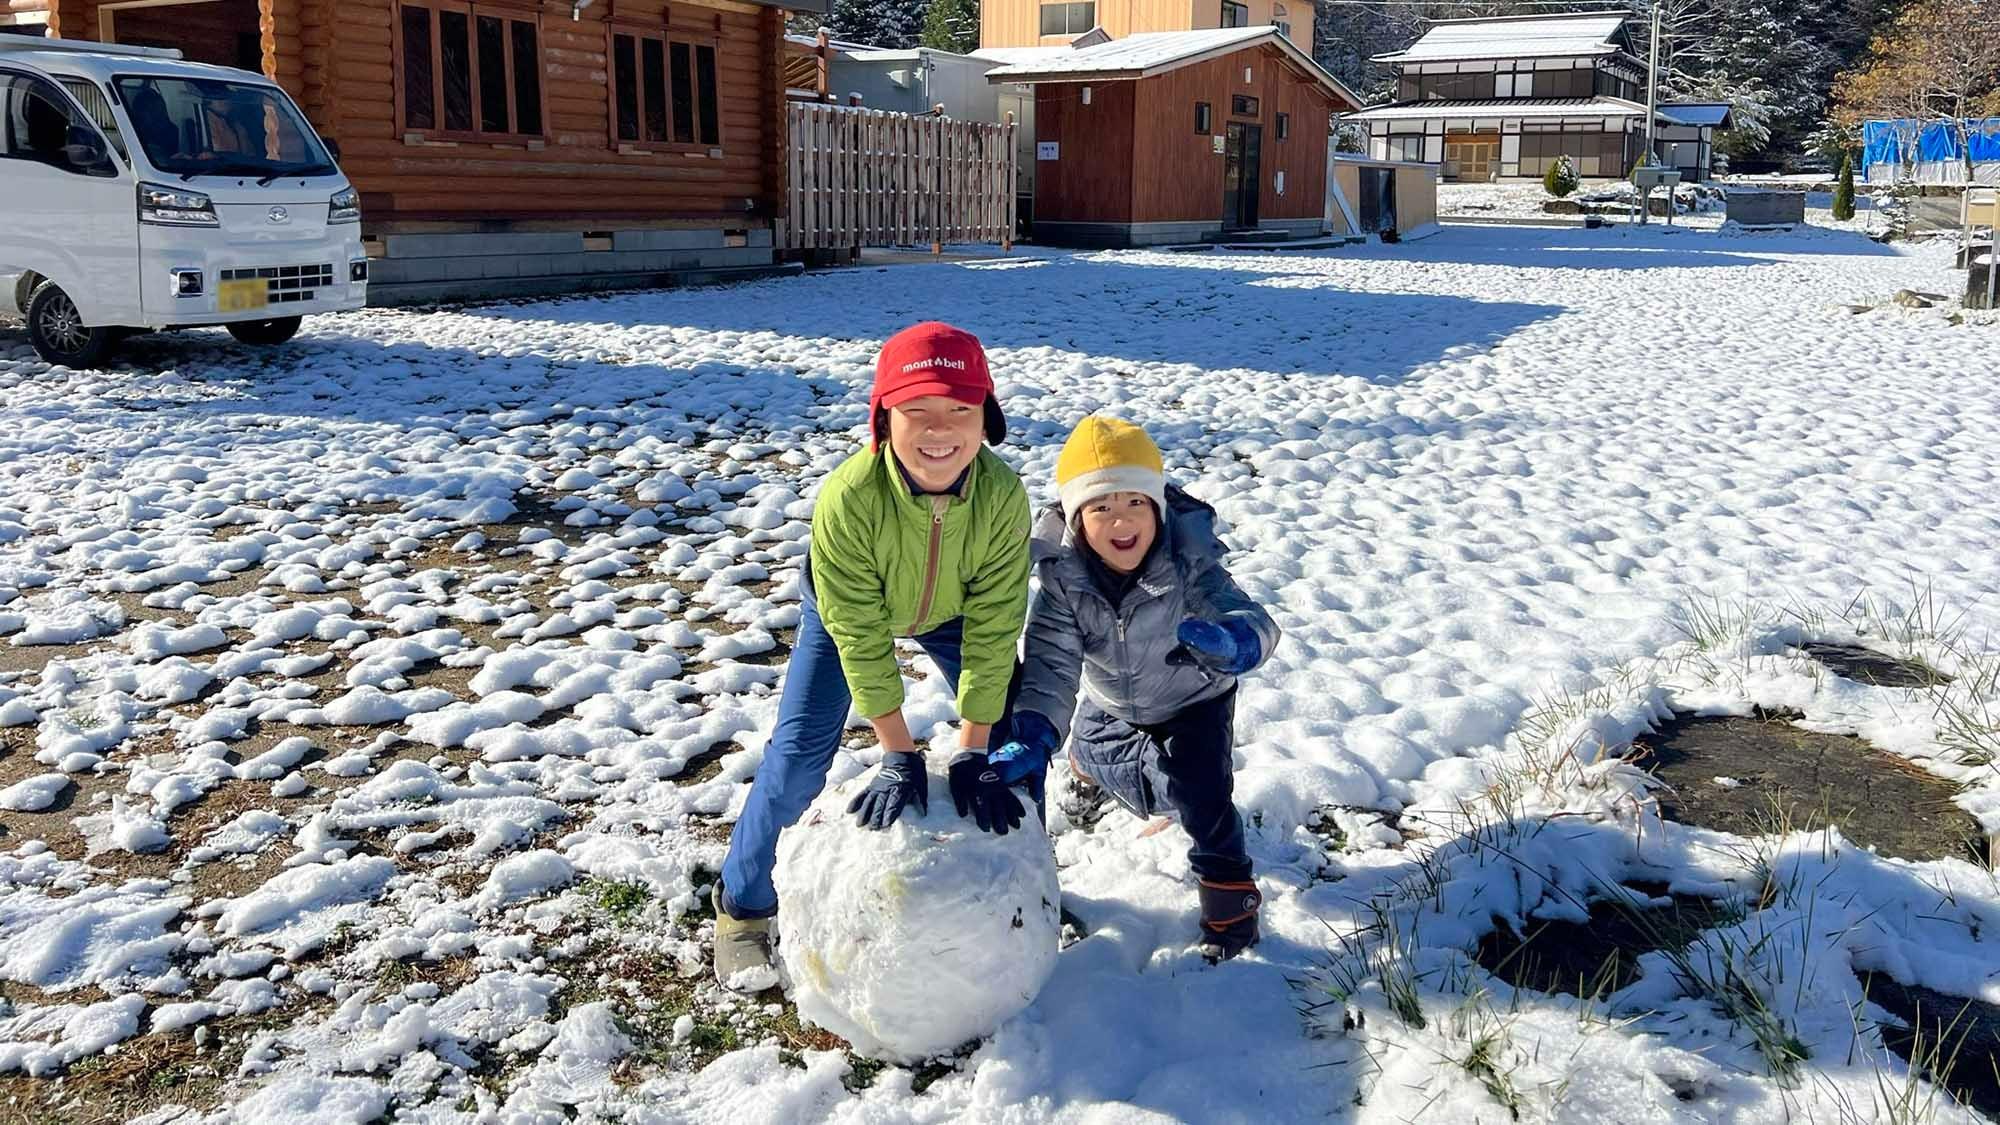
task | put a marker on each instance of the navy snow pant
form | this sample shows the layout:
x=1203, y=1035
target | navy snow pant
x=812, y=713
x=1183, y=766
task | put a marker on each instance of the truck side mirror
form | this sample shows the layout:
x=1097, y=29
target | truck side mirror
x=333, y=149
x=85, y=153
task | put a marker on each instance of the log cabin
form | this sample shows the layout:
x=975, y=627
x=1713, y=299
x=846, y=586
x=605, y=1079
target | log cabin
x=511, y=147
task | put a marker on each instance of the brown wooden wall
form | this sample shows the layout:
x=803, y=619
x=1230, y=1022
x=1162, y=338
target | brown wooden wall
x=1132, y=155
x=210, y=33
x=1182, y=173
x=576, y=173
x=337, y=58
x=1018, y=23
x=1091, y=179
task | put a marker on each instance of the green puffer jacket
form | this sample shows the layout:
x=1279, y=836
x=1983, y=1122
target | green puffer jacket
x=887, y=564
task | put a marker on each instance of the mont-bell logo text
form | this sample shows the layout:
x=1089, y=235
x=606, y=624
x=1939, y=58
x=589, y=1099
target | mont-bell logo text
x=934, y=361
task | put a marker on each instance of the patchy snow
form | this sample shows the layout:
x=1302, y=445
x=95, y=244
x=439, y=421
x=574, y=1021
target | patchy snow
x=408, y=679
x=34, y=794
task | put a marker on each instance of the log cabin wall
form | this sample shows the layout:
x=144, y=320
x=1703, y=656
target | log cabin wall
x=575, y=167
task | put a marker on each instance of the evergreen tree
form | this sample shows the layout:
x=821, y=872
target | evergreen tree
x=1843, y=196
x=952, y=25
x=879, y=23
x=1561, y=179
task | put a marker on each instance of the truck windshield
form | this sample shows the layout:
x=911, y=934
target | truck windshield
x=209, y=127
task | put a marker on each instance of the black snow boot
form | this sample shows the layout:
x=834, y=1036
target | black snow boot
x=1228, y=919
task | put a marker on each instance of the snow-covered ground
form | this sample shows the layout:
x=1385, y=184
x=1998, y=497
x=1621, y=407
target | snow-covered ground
x=374, y=710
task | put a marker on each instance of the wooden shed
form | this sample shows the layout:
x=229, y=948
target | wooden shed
x=514, y=146
x=1179, y=136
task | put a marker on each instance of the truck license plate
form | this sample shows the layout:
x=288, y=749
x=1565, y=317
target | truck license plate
x=242, y=296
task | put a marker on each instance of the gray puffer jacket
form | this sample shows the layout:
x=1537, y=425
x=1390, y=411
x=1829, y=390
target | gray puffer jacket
x=1121, y=656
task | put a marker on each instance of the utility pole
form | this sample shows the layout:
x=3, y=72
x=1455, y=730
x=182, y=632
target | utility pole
x=1652, y=82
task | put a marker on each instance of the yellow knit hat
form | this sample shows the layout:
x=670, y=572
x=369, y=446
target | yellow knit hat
x=1106, y=455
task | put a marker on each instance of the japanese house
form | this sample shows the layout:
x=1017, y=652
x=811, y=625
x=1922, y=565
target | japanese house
x=1501, y=98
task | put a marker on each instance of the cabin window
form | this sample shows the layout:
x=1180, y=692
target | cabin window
x=1284, y=125
x=1202, y=118
x=664, y=90
x=1235, y=14
x=1069, y=19
x=469, y=70
x=1242, y=105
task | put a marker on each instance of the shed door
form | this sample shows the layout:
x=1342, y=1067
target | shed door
x=1242, y=153
x=1378, y=200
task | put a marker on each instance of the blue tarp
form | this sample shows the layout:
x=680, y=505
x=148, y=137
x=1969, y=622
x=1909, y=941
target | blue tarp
x=1882, y=142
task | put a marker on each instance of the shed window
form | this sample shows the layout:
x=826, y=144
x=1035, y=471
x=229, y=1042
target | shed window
x=1202, y=118
x=663, y=90
x=1235, y=14
x=1242, y=105
x=1069, y=19
x=1284, y=125
x=471, y=70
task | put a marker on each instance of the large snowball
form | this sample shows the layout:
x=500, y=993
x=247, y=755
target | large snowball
x=909, y=942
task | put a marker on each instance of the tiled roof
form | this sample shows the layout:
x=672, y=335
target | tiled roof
x=1530, y=37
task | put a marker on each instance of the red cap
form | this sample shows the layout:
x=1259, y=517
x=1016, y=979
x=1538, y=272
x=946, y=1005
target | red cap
x=933, y=358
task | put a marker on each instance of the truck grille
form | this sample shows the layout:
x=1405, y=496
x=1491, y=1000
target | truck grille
x=286, y=284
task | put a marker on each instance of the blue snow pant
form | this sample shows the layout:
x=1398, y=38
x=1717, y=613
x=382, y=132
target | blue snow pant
x=1183, y=766
x=812, y=713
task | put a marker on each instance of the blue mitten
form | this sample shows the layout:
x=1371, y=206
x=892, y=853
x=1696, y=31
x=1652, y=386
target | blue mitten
x=1228, y=646
x=1027, y=754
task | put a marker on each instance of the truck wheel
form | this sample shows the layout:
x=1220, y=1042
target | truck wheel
x=265, y=333
x=57, y=330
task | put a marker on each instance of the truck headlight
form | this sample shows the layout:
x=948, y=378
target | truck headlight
x=344, y=207
x=175, y=207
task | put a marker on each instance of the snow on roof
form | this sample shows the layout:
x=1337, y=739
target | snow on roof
x=1154, y=52
x=1503, y=107
x=1145, y=51
x=1014, y=56
x=1713, y=115
x=1519, y=37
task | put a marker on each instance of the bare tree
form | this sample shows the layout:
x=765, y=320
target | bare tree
x=1938, y=63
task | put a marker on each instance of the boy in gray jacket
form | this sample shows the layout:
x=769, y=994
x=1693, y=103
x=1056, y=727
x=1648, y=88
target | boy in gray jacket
x=1136, y=609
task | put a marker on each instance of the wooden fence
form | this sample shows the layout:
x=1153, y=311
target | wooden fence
x=868, y=177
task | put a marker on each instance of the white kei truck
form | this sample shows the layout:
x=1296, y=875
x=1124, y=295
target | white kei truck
x=141, y=192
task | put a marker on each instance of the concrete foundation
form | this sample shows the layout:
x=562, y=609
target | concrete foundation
x=413, y=268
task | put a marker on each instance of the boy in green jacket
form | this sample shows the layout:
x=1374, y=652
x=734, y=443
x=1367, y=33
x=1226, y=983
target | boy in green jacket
x=922, y=535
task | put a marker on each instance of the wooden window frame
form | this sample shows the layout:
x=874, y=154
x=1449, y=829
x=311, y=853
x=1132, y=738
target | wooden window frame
x=1204, y=119
x=667, y=34
x=508, y=12
x=1246, y=105
x=1283, y=125
x=1233, y=13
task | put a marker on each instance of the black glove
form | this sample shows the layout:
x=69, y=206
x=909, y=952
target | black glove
x=978, y=792
x=900, y=781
